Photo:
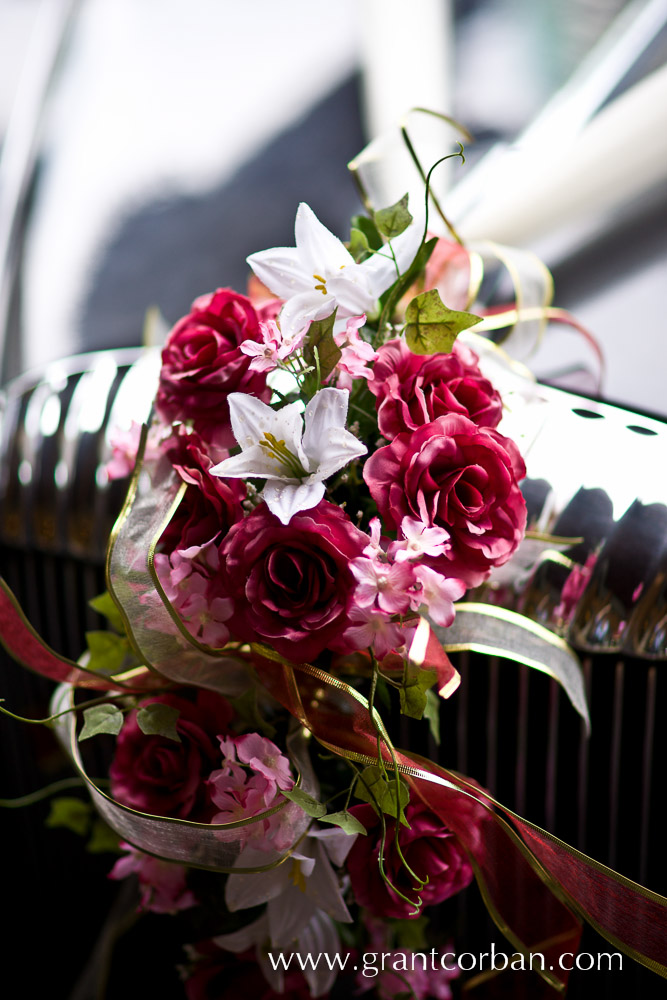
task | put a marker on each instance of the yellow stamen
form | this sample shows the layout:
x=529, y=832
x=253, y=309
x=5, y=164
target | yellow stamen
x=297, y=876
x=280, y=451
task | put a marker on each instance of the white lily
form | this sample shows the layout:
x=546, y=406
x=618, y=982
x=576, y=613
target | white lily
x=295, y=462
x=319, y=274
x=303, y=896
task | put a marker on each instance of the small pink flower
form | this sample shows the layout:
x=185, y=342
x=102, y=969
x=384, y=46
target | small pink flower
x=264, y=757
x=373, y=629
x=374, y=547
x=387, y=584
x=356, y=353
x=162, y=883
x=418, y=540
x=274, y=348
x=124, y=447
x=205, y=618
x=438, y=593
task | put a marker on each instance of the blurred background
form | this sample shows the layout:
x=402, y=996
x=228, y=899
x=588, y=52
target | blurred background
x=148, y=146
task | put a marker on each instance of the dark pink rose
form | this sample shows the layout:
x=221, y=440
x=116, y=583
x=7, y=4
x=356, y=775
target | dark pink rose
x=454, y=475
x=221, y=975
x=211, y=504
x=428, y=846
x=291, y=584
x=202, y=364
x=413, y=389
x=158, y=775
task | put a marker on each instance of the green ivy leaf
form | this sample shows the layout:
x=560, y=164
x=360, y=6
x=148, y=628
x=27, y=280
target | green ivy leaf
x=108, y=652
x=320, y=348
x=432, y=715
x=413, y=692
x=346, y=821
x=410, y=933
x=432, y=328
x=70, y=814
x=156, y=719
x=369, y=230
x=103, y=840
x=101, y=719
x=358, y=246
x=105, y=606
x=395, y=219
x=310, y=806
x=382, y=792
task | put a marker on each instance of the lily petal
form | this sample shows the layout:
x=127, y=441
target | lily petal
x=353, y=290
x=281, y=270
x=327, y=409
x=285, y=499
x=252, y=462
x=320, y=250
x=251, y=419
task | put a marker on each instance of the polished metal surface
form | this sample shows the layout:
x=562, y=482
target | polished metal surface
x=596, y=475
x=55, y=495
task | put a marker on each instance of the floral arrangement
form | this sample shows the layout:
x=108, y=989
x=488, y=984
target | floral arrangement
x=323, y=480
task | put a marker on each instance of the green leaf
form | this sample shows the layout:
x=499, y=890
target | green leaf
x=432, y=715
x=321, y=351
x=382, y=792
x=101, y=719
x=103, y=840
x=432, y=328
x=108, y=652
x=410, y=933
x=310, y=806
x=413, y=692
x=358, y=245
x=71, y=814
x=105, y=606
x=370, y=231
x=156, y=719
x=395, y=219
x=346, y=821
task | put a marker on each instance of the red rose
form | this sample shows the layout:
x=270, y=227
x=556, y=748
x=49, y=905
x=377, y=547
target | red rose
x=413, y=389
x=158, y=775
x=291, y=583
x=226, y=976
x=454, y=475
x=202, y=364
x=211, y=504
x=429, y=848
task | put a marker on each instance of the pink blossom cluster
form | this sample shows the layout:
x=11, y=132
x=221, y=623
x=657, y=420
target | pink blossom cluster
x=208, y=775
x=253, y=773
x=394, y=581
